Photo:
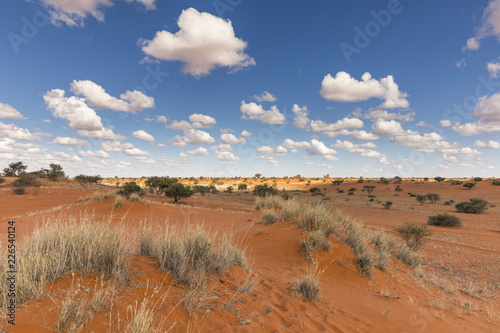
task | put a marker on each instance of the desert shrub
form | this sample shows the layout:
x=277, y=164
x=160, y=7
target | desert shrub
x=147, y=242
x=285, y=196
x=264, y=190
x=318, y=217
x=413, y=233
x=230, y=189
x=456, y=182
x=384, y=180
x=268, y=202
x=268, y=217
x=142, y=321
x=369, y=188
x=56, y=172
x=448, y=203
x=314, y=189
x=23, y=182
x=315, y=240
x=469, y=185
x=385, y=245
x=118, y=202
x=55, y=249
x=473, y=206
x=159, y=185
x=399, y=188
x=496, y=182
x=433, y=197
x=421, y=198
x=387, y=205
x=439, y=179
x=357, y=238
x=477, y=179
x=194, y=252
x=350, y=193
x=290, y=210
x=201, y=189
x=134, y=197
x=178, y=191
x=340, y=191
x=129, y=188
x=85, y=180
x=361, y=180
x=98, y=196
x=308, y=286
x=408, y=256
x=444, y=220
x=242, y=187
x=352, y=189
x=337, y=182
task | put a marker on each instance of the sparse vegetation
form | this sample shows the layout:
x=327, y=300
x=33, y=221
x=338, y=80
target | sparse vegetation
x=469, y=186
x=314, y=240
x=421, y=198
x=369, y=188
x=242, y=187
x=473, y=206
x=495, y=182
x=439, y=179
x=129, y=188
x=118, y=202
x=264, y=190
x=413, y=233
x=159, y=185
x=433, y=197
x=56, y=172
x=23, y=182
x=268, y=217
x=178, y=191
x=444, y=220
x=387, y=205
x=308, y=286
x=85, y=180
x=15, y=169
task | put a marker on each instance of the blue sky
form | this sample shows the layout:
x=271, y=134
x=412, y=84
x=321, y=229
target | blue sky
x=236, y=87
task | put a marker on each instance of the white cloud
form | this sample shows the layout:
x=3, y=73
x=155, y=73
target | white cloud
x=8, y=112
x=246, y=134
x=230, y=139
x=198, y=137
x=130, y=150
x=266, y=96
x=95, y=95
x=364, y=150
x=423, y=124
x=103, y=133
x=159, y=119
x=74, y=12
x=265, y=150
x=490, y=144
x=445, y=123
x=94, y=154
x=490, y=26
x=391, y=127
x=200, y=151
x=493, y=69
x=253, y=111
x=66, y=141
x=227, y=156
x=201, y=120
x=488, y=112
x=143, y=135
x=18, y=133
x=203, y=42
x=363, y=136
x=73, y=109
x=222, y=147
x=290, y=144
x=319, y=148
x=382, y=114
x=344, y=88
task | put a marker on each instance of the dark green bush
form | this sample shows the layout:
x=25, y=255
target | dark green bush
x=413, y=233
x=129, y=188
x=444, y=220
x=178, y=191
x=473, y=206
x=264, y=190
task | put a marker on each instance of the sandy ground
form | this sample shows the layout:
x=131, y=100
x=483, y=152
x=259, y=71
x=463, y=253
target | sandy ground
x=459, y=261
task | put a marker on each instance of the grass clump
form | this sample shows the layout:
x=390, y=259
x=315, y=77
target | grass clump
x=72, y=315
x=319, y=217
x=308, y=286
x=134, y=197
x=142, y=321
x=65, y=246
x=268, y=202
x=357, y=238
x=413, y=233
x=473, y=206
x=290, y=210
x=194, y=252
x=268, y=217
x=444, y=220
x=385, y=245
x=408, y=255
x=315, y=240
x=118, y=202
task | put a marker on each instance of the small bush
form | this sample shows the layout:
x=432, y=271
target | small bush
x=456, y=182
x=315, y=240
x=2, y=180
x=129, y=188
x=408, y=256
x=477, y=179
x=314, y=189
x=448, y=203
x=290, y=209
x=118, y=202
x=413, y=234
x=98, y=196
x=496, y=182
x=473, y=206
x=134, y=197
x=433, y=197
x=264, y=190
x=268, y=217
x=444, y=220
x=340, y=191
x=387, y=205
x=308, y=286
x=399, y=189
x=469, y=186
x=352, y=189
x=23, y=182
x=350, y=193
x=269, y=202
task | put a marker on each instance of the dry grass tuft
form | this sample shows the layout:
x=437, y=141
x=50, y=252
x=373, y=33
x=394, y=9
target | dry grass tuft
x=268, y=217
x=118, y=202
x=142, y=319
x=308, y=286
x=408, y=256
x=315, y=240
x=269, y=202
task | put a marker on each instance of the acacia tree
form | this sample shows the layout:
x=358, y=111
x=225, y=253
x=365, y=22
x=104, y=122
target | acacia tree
x=469, y=185
x=178, y=191
x=56, y=172
x=369, y=188
x=85, y=180
x=160, y=184
x=15, y=169
x=242, y=187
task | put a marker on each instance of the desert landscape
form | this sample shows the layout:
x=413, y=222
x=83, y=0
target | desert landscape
x=358, y=275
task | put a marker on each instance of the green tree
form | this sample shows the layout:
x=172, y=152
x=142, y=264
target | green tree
x=23, y=182
x=85, y=180
x=439, y=179
x=178, y=191
x=264, y=190
x=242, y=187
x=159, y=185
x=413, y=234
x=56, y=172
x=387, y=205
x=433, y=197
x=258, y=175
x=421, y=198
x=369, y=188
x=337, y=182
x=15, y=169
x=230, y=189
x=469, y=185
x=129, y=188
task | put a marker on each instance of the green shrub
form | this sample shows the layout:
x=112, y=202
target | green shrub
x=314, y=189
x=242, y=187
x=477, y=179
x=178, y=191
x=433, y=197
x=413, y=233
x=264, y=190
x=129, y=188
x=496, y=182
x=469, y=185
x=399, y=189
x=15, y=169
x=456, y=182
x=352, y=189
x=444, y=220
x=387, y=205
x=85, y=180
x=421, y=198
x=473, y=206
x=23, y=182
x=159, y=185
x=2, y=180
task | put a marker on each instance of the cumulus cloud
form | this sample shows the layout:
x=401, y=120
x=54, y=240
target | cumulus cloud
x=490, y=144
x=266, y=96
x=103, y=133
x=227, y=156
x=143, y=135
x=391, y=127
x=200, y=151
x=198, y=137
x=230, y=139
x=382, y=114
x=127, y=148
x=94, y=154
x=488, y=112
x=246, y=134
x=445, y=123
x=203, y=42
x=67, y=141
x=493, y=69
x=8, y=112
x=363, y=135
x=196, y=121
x=253, y=111
x=95, y=95
x=318, y=148
x=290, y=144
x=18, y=133
x=364, y=150
x=344, y=88
x=74, y=12
x=490, y=26
x=73, y=109
x=222, y=147
x=159, y=119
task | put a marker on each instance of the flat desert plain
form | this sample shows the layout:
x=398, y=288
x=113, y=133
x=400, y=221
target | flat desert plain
x=456, y=288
